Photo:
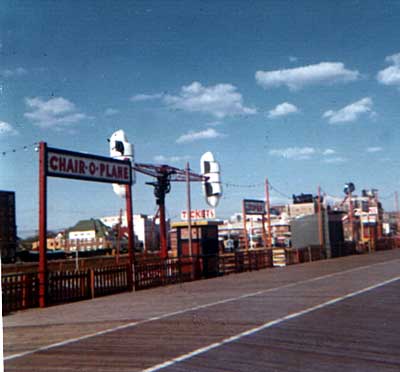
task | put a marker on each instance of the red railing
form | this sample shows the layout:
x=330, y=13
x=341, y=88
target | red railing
x=19, y=291
x=156, y=272
x=68, y=286
x=109, y=280
x=245, y=261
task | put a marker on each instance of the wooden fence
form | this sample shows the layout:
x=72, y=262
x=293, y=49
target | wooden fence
x=156, y=272
x=241, y=261
x=21, y=291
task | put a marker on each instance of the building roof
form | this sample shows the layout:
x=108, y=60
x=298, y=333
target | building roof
x=89, y=225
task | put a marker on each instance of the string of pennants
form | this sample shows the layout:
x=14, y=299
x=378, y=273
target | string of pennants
x=20, y=148
x=227, y=184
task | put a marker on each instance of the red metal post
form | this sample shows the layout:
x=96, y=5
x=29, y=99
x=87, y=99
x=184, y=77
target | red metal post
x=163, y=233
x=246, y=242
x=129, y=219
x=268, y=213
x=42, y=224
x=351, y=227
x=320, y=228
x=118, y=237
x=396, y=202
x=189, y=208
x=264, y=233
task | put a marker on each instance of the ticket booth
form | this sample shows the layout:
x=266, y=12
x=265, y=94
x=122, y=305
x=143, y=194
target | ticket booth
x=204, y=244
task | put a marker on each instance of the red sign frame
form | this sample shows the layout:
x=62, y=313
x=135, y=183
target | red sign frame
x=77, y=170
x=87, y=167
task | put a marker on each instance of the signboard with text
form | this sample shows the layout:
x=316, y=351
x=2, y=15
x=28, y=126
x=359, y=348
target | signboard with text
x=254, y=206
x=76, y=165
x=199, y=214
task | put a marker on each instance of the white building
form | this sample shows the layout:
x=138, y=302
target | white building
x=143, y=227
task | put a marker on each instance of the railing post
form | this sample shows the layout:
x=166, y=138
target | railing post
x=129, y=274
x=309, y=254
x=24, y=291
x=92, y=283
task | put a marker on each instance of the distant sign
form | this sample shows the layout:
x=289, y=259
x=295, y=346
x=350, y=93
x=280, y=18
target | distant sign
x=69, y=164
x=373, y=210
x=199, y=214
x=254, y=206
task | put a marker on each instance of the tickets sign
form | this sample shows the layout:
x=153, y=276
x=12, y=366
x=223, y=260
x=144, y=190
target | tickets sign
x=69, y=164
x=199, y=214
x=253, y=206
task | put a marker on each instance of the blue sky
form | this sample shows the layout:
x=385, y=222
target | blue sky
x=304, y=93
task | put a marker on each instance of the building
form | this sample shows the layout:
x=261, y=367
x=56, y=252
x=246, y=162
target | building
x=8, y=228
x=305, y=232
x=145, y=227
x=89, y=235
x=303, y=205
x=54, y=243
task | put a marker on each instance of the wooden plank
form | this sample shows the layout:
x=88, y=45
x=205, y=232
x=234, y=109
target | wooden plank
x=152, y=342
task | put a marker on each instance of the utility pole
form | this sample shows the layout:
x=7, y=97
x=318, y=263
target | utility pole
x=361, y=221
x=246, y=241
x=396, y=203
x=378, y=218
x=320, y=227
x=351, y=217
x=189, y=208
x=268, y=213
x=118, y=236
x=42, y=225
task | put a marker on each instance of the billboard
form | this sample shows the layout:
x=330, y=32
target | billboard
x=254, y=206
x=76, y=165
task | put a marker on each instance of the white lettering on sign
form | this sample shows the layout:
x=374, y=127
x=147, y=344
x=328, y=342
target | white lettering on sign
x=88, y=168
x=254, y=206
x=199, y=214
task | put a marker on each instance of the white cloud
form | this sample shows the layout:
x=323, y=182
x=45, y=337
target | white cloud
x=374, y=149
x=170, y=159
x=283, y=109
x=7, y=129
x=335, y=160
x=293, y=59
x=328, y=152
x=146, y=97
x=391, y=74
x=220, y=100
x=299, y=77
x=215, y=123
x=55, y=113
x=110, y=112
x=304, y=153
x=195, y=136
x=296, y=153
x=350, y=112
x=16, y=72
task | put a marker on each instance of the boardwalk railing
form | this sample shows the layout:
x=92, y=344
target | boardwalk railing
x=19, y=291
x=245, y=261
x=68, y=286
x=156, y=272
x=109, y=280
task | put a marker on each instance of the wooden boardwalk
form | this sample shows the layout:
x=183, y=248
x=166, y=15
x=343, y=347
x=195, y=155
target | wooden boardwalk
x=341, y=314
